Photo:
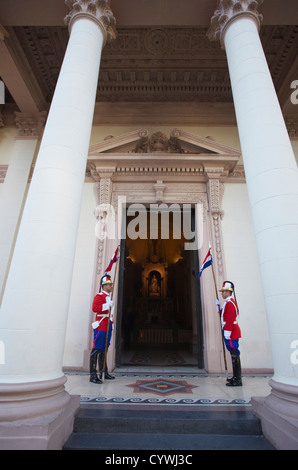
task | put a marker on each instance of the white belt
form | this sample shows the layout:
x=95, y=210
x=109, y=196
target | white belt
x=98, y=322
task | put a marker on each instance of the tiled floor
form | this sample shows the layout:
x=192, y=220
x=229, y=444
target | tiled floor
x=183, y=386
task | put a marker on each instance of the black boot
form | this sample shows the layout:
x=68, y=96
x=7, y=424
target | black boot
x=236, y=380
x=93, y=372
x=100, y=366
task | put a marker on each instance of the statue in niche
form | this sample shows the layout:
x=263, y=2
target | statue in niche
x=154, y=283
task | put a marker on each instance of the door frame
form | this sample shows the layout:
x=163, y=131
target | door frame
x=198, y=303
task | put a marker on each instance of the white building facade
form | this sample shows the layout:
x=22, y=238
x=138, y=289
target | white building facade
x=69, y=182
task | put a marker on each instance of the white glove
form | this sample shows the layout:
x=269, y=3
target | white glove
x=218, y=306
x=227, y=334
x=109, y=304
x=112, y=312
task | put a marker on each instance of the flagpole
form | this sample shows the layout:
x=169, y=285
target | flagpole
x=223, y=345
x=109, y=320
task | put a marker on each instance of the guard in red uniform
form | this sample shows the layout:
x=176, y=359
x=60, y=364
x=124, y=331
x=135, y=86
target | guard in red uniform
x=231, y=330
x=103, y=307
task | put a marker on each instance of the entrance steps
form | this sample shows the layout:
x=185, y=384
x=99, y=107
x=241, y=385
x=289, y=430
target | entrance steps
x=127, y=428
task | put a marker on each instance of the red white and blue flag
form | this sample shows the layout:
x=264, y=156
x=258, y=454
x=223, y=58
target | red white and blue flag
x=207, y=262
x=113, y=260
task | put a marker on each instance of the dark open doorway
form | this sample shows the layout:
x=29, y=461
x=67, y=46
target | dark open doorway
x=159, y=320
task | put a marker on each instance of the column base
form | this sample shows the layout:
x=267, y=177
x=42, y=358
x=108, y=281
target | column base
x=36, y=416
x=279, y=415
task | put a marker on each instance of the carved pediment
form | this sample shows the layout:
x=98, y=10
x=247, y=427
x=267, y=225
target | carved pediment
x=179, y=141
x=124, y=143
x=140, y=153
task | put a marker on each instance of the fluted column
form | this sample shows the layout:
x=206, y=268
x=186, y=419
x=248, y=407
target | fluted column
x=272, y=182
x=29, y=127
x=35, y=303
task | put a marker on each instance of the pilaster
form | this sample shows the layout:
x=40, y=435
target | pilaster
x=30, y=125
x=106, y=227
x=103, y=193
x=215, y=190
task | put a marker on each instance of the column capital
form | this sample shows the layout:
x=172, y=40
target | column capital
x=30, y=125
x=229, y=10
x=97, y=10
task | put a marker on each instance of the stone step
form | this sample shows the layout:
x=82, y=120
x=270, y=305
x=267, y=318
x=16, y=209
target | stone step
x=166, y=421
x=123, y=429
x=156, y=442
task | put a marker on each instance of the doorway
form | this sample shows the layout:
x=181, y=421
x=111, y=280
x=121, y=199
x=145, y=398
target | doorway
x=159, y=318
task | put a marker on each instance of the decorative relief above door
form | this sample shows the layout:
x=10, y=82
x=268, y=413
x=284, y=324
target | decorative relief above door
x=181, y=154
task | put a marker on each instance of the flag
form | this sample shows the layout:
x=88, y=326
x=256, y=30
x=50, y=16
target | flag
x=113, y=260
x=207, y=262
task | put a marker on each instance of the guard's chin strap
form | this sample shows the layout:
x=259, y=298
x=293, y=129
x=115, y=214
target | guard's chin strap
x=235, y=297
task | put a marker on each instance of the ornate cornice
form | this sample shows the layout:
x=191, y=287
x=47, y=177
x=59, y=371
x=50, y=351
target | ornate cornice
x=229, y=10
x=97, y=10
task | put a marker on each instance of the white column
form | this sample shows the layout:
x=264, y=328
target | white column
x=35, y=303
x=14, y=187
x=272, y=181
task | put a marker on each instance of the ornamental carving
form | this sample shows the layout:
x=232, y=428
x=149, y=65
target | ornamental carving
x=175, y=75
x=158, y=142
x=228, y=9
x=30, y=124
x=99, y=10
x=157, y=41
x=215, y=193
x=103, y=192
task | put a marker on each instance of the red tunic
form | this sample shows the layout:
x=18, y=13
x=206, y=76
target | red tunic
x=102, y=311
x=229, y=319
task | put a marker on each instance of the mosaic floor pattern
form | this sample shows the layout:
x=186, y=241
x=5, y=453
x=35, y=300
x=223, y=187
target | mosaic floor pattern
x=162, y=387
x=168, y=402
x=179, y=389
